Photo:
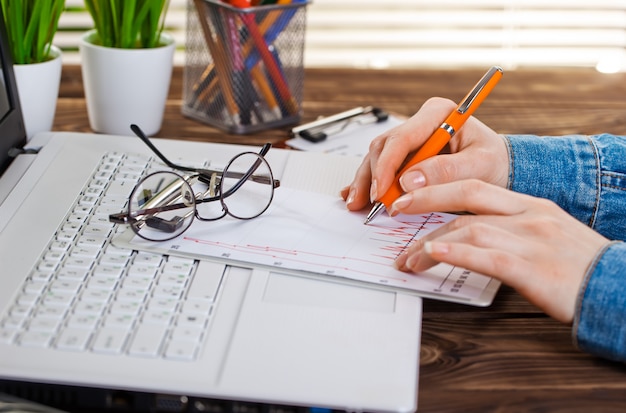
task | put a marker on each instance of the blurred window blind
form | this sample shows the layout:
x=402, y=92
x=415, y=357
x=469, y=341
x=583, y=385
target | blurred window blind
x=439, y=33
x=75, y=21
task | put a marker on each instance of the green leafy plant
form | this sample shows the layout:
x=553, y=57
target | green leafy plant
x=31, y=26
x=128, y=24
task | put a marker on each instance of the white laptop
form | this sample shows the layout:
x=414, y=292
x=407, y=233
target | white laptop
x=86, y=325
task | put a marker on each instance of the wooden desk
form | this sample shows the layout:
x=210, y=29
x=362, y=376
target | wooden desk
x=509, y=357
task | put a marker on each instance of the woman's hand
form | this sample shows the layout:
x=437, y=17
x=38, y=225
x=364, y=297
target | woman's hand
x=528, y=243
x=476, y=151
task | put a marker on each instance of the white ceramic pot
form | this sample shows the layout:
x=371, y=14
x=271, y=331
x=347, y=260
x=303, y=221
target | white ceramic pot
x=38, y=90
x=126, y=86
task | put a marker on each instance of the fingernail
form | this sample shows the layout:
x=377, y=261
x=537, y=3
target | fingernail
x=411, y=261
x=428, y=247
x=431, y=247
x=373, y=192
x=412, y=180
x=351, y=196
x=400, y=203
x=400, y=262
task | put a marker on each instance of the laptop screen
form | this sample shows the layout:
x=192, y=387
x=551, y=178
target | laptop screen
x=12, y=133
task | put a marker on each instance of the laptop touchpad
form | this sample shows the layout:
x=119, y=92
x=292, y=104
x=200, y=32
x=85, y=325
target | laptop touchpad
x=288, y=289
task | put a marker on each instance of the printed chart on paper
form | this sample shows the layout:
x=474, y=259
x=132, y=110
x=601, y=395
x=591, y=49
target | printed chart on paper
x=315, y=233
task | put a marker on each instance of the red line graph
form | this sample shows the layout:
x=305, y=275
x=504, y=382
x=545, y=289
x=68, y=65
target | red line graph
x=406, y=233
x=388, y=241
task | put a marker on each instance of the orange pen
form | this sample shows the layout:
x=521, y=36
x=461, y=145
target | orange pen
x=441, y=136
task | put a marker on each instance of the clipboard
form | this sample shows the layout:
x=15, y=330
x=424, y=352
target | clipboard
x=346, y=133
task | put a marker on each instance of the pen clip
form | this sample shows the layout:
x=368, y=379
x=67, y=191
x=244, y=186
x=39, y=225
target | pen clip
x=471, y=96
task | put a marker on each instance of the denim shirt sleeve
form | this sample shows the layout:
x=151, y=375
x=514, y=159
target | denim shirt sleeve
x=600, y=318
x=586, y=176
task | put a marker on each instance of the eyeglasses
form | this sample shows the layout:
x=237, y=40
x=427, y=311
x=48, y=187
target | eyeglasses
x=163, y=204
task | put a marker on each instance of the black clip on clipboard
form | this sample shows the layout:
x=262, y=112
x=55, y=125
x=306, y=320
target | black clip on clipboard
x=319, y=130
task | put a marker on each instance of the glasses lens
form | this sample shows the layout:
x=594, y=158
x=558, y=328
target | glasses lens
x=161, y=206
x=247, y=186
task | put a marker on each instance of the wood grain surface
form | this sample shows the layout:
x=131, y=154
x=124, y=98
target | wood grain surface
x=508, y=357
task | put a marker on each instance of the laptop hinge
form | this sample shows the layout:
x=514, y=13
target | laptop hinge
x=15, y=152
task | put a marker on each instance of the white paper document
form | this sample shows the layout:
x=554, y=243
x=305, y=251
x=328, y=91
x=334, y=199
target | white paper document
x=314, y=233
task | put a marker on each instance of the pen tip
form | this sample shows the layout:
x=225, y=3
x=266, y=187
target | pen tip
x=376, y=209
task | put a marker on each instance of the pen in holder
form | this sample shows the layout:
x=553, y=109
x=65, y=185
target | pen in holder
x=244, y=66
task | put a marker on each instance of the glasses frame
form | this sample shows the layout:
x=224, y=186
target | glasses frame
x=212, y=178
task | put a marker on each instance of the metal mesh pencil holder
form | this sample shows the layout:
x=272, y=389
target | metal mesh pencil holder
x=244, y=67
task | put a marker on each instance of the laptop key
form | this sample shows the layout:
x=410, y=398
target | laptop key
x=103, y=282
x=27, y=298
x=78, y=262
x=54, y=256
x=193, y=306
x=125, y=307
x=85, y=251
x=50, y=312
x=181, y=350
x=121, y=321
x=96, y=295
x=121, y=187
x=171, y=291
x=14, y=321
x=43, y=324
x=148, y=260
x=193, y=320
x=187, y=333
x=178, y=266
x=35, y=286
x=162, y=317
x=115, y=260
x=60, y=298
x=86, y=321
x=89, y=307
x=68, y=285
x=72, y=273
x=110, y=340
x=142, y=271
x=108, y=271
x=147, y=340
x=206, y=280
x=163, y=304
x=7, y=334
x=35, y=338
x=73, y=339
x=131, y=295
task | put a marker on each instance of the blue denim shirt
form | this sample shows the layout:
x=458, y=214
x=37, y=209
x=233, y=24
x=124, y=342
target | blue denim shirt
x=586, y=176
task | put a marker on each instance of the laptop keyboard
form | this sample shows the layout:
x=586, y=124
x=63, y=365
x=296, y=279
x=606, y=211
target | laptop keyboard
x=87, y=295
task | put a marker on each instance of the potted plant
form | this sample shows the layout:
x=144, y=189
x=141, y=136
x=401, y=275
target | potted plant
x=31, y=26
x=127, y=63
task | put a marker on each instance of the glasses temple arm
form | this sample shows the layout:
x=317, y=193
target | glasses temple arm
x=137, y=131
x=205, y=173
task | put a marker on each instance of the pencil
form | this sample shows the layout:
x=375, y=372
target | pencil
x=270, y=63
x=265, y=90
x=219, y=57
